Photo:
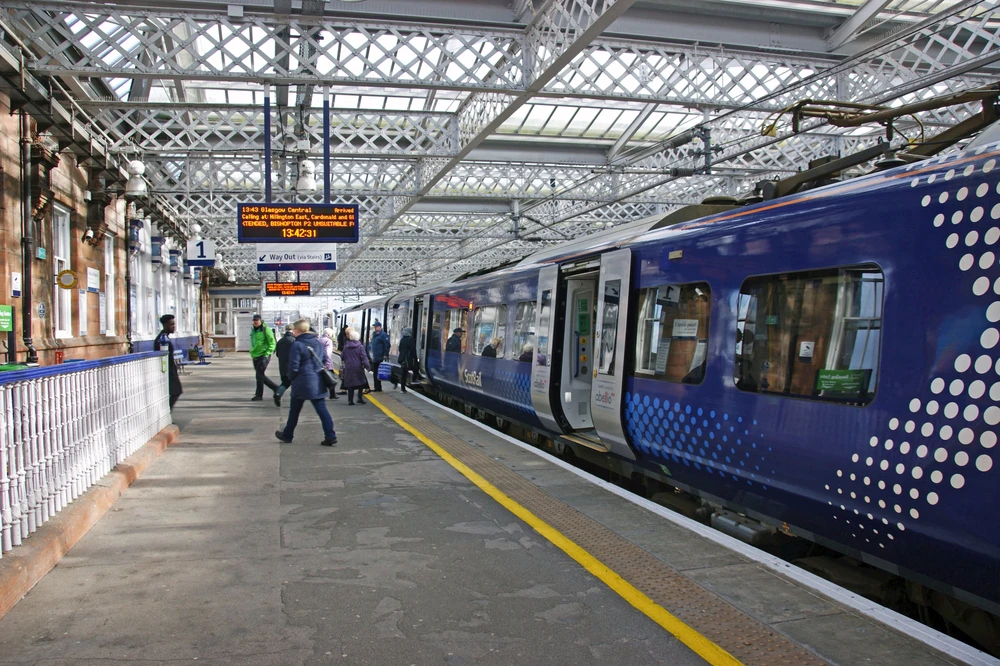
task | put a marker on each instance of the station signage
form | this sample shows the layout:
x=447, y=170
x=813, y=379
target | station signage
x=286, y=289
x=297, y=223
x=296, y=257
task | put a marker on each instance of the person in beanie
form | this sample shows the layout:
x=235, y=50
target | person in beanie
x=305, y=360
x=380, y=349
x=262, y=345
x=283, y=347
x=163, y=343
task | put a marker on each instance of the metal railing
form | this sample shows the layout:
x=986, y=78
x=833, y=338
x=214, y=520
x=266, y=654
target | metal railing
x=62, y=428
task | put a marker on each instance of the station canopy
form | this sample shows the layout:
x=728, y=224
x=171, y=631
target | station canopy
x=473, y=133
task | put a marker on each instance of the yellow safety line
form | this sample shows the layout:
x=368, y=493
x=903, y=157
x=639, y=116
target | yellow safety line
x=702, y=646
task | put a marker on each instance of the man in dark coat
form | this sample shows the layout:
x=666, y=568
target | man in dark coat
x=283, y=348
x=407, y=357
x=163, y=343
x=304, y=364
x=454, y=343
x=380, y=349
x=342, y=338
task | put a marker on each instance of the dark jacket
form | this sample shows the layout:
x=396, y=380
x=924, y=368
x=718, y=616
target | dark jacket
x=173, y=379
x=380, y=346
x=407, y=353
x=489, y=352
x=525, y=357
x=454, y=344
x=303, y=368
x=341, y=338
x=355, y=363
x=284, y=347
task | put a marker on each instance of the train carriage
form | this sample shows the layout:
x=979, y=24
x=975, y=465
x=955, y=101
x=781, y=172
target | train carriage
x=823, y=363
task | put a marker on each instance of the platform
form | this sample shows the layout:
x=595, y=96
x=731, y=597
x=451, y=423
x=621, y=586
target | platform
x=419, y=539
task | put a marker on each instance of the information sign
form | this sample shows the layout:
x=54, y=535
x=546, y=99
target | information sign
x=286, y=289
x=297, y=223
x=200, y=252
x=93, y=280
x=6, y=318
x=847, y=383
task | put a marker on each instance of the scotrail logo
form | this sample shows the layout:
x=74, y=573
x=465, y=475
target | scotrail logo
x=472, y=378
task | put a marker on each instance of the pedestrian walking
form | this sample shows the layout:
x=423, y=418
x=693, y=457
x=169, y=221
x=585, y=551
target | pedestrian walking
x=380, y=349
x=355, y=362
x=407, y=357
x=163, y=343
x=283, y=347
x=262, y=345
x=304, y=365
x=327, y=342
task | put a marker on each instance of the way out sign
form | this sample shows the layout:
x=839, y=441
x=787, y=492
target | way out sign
x=201, y=252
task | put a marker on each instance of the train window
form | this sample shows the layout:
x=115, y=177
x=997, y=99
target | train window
x=455, y=319
x=609, y=327
x=399, y=318
x=814, y=334
x=489, y=329
x=673, y=332
x=544, y=317
x=524, y=330
x=436, y=338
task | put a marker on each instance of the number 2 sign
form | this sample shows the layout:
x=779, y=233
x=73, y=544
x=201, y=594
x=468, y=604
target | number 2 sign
x=201, y=252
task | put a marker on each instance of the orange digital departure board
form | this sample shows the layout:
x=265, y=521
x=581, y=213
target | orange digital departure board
x=286, y=289
x=297, y=223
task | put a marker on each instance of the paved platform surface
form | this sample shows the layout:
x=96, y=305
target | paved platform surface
x=236, y=549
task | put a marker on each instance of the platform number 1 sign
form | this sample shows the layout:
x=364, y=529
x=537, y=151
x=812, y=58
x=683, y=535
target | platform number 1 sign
x=200, y=252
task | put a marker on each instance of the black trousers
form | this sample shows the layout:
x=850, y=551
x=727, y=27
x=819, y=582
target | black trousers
x=378, y=384
x=350, y=395
x=260, y=366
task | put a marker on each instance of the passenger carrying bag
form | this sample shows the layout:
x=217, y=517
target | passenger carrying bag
x=384, y=372
x=329, y=381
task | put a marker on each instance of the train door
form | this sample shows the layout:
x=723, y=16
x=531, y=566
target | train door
x=609, y=337
x=577, y=359
x=541, y=362
x=420, y=329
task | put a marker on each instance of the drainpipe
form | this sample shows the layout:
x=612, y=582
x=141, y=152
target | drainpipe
x=27, y=244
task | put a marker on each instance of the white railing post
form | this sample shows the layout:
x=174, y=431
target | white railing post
x=62, y=429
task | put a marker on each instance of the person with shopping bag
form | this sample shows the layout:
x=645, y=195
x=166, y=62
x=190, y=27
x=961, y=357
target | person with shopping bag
x=305, y=367
x=380, y=350
x=355, y=363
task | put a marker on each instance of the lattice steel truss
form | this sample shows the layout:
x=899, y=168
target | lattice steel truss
x=469, y=144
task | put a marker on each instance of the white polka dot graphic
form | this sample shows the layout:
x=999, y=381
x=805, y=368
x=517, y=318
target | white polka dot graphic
x=948, y=435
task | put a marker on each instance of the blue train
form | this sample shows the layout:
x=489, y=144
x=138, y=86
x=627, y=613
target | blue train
x=827, y=363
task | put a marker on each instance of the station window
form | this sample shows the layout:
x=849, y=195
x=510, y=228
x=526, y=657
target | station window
x=524, y=329
x=60, y=261
x=488, y=324
x=814, y=334
x=673, y=332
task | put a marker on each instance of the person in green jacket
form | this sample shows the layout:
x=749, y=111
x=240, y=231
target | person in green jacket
x=262, y=345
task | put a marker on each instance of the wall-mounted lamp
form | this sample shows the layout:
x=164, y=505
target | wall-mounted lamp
x=94, y=235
